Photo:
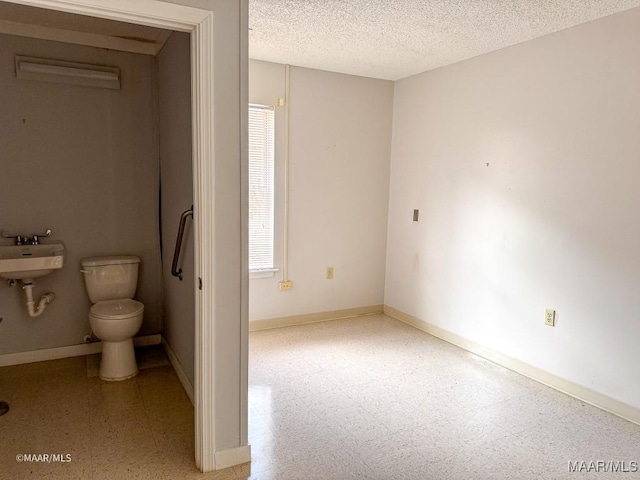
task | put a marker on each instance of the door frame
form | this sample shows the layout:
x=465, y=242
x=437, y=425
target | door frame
x=199, y=23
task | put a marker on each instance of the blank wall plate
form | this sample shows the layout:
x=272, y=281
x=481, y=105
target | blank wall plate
x=550, y=317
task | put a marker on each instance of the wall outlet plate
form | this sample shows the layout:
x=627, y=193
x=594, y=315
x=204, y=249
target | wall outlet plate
x=329, y=273
x=550, y=317
x=288, y=285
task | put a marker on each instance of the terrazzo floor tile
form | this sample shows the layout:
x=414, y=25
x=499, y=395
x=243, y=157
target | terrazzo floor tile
x=366, y=398
x=141, y=428
x=409, y=406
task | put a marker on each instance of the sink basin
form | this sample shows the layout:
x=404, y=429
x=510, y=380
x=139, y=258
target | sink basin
x=21, y=262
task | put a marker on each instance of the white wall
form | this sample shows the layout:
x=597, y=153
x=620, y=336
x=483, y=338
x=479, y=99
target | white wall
x=173, y=67
x=524, y=165
x=231, y=317
x=83, y=162
x=340, y=137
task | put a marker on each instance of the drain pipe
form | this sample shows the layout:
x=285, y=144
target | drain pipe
x=285, y=236
x=45, y=300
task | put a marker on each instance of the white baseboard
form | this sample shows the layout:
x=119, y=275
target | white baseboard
x=597, y=399
x=182, y=376
x=232, y=456
x=278, y=322
x=68, y=351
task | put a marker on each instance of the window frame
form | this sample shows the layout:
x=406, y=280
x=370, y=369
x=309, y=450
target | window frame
x=266, y=149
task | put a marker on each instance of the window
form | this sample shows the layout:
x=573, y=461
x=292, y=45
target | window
x=261, y=185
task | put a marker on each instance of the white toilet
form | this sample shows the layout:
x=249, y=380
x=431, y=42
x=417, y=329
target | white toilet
x=115, y=317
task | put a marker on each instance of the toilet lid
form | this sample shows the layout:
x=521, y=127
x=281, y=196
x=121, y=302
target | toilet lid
x=117, y=309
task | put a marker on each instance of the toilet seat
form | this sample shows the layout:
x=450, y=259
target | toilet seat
x=117, y=309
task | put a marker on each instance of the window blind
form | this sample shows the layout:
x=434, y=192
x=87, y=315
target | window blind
x=261, y=186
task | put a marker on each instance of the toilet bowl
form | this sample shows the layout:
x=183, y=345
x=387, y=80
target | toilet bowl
x=115, y=322
x=115, y=317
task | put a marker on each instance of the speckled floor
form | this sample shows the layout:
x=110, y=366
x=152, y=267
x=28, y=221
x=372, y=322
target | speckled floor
x=136, y=429
x=363, y=398
x=372, y=398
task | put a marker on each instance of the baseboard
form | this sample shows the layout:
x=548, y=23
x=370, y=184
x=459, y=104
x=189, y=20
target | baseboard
x=182, y=376
x=597, y=399
x=278, y=322
x=230, y=457
x=69, y=351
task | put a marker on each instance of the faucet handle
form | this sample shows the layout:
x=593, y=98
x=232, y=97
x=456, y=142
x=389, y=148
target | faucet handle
x=39, y=235
x=35, y=238
x=20, y=239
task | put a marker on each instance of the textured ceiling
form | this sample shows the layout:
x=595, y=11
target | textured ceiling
x=393, y=39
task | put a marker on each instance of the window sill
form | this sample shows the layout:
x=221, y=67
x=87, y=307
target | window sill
x=263, y=273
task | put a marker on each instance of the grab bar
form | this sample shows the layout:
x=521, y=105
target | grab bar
x=175, y=271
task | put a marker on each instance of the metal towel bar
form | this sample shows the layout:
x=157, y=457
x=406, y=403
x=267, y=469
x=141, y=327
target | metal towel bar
x=175, y=271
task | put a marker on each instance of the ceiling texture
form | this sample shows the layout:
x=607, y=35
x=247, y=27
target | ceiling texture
x=393, y=39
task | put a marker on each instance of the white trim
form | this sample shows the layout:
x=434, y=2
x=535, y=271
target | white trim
x=230, y=457
x=177, y=366
x=42, y=355
x=244, y=234
x=204, y=234
x=78, y=38
x=597, y=399
x=263, y=273
x=152, y=13
x=199, y=23
x=45, y=354
x=279, y=322
x=287, y=165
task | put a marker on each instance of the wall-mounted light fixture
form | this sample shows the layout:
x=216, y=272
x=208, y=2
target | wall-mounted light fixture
x=57, y=71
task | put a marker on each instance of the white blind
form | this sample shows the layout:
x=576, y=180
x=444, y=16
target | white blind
x=261, y=166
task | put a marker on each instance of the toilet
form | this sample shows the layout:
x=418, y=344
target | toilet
x=114, y=317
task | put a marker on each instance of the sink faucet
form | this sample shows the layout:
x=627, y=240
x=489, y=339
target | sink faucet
x=24, y=240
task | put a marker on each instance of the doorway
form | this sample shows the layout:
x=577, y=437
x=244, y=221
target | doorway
x=215, y=447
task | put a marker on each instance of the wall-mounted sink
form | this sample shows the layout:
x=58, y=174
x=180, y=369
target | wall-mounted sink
x=19, y=262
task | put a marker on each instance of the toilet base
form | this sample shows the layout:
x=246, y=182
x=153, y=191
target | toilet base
x=118, y=361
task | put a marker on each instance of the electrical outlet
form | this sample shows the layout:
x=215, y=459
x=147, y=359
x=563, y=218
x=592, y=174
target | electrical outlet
x=288, y=285
x=329, y=273
x=550, y=317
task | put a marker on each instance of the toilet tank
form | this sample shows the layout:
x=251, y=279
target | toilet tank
x=110, y=278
